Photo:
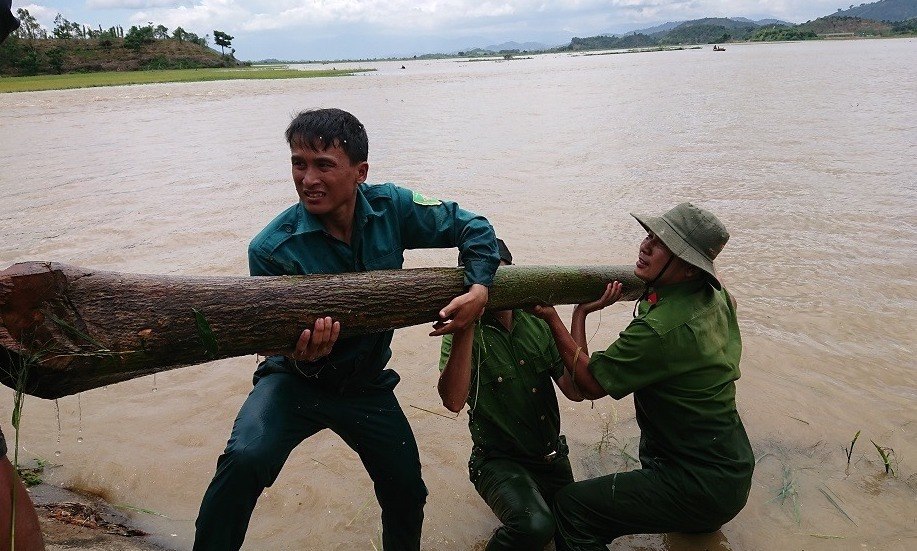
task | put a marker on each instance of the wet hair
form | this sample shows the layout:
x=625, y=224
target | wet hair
x=319, y=129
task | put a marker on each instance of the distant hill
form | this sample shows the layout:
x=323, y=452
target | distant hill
x=762, y=22
x=884, y=10
x=654, y=30
x=604, y=42
x=717, y=30
x=725, y=22
x=835, y=24
x=707, y=31
x=520, y=46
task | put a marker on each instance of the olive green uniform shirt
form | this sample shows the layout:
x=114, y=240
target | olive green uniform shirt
x=680, y=357
x=513, y=407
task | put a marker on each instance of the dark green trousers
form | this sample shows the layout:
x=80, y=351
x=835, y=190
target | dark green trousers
x=281, y=411
x=591, y=513
x=522, y=497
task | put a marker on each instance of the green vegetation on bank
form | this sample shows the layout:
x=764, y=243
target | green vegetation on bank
x=71, y=47
x=119, y=78
x=73, y=55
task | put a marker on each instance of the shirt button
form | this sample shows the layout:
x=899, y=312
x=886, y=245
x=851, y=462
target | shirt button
x=542, y=417
x=521, y=362
x=499, y=379
x=534, y=390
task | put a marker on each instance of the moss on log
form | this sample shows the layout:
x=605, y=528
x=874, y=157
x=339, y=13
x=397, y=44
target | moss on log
x=74, y=329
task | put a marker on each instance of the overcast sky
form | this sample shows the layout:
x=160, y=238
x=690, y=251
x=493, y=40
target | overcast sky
x=338, y=29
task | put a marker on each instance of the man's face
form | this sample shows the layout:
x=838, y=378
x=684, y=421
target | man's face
x=326, y=180
x=652, y=257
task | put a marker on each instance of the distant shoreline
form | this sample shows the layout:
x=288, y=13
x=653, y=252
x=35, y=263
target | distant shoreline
x=68, y=81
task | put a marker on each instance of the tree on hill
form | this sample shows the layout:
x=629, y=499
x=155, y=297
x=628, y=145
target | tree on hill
x=704, y=34
x=62, y=28
x=222, y=40
x=782, y=33
x=136, y=36
x=613, y=42
x=29, y=27
x=182, y=35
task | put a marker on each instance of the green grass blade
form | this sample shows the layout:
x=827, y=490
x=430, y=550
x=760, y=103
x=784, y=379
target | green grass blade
x=838, y=507
x=206, y=333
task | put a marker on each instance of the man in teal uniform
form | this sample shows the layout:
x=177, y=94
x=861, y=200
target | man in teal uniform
x=679, y=357
x=341, y=224
x=505, y=369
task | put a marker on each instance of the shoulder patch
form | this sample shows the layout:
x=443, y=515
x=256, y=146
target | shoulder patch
x=422, y=199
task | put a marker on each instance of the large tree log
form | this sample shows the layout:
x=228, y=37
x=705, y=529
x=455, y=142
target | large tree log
x=75, y=329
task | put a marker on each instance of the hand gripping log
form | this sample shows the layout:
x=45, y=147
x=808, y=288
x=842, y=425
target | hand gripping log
x=65, y=329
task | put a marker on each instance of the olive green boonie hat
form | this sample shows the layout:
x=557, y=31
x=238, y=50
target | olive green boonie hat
x=692, y=234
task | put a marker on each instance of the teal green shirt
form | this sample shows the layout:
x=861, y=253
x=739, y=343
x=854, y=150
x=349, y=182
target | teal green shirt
x=387, y=220
x=513, y=407
x=680, y=359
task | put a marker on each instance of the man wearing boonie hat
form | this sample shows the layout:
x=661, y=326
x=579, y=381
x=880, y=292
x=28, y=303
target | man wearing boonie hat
x=505, y=368
x=679, y=357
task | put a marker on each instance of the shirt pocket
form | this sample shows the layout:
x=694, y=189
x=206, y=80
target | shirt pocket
x=498, y=374
x=392, y=260
x=538, y=356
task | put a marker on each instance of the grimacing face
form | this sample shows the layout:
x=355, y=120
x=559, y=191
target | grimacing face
x=326, y=180
x=652, y=258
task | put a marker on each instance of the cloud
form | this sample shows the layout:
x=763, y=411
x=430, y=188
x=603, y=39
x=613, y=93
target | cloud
x=445, y=16
x=131, y=4
x=426, y=15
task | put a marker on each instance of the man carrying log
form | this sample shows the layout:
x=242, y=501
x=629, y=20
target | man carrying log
x=341, y=224
x=679, y=357
x=505, y=367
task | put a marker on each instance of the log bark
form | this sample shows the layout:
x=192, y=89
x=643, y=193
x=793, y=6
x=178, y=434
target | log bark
x=75, y=329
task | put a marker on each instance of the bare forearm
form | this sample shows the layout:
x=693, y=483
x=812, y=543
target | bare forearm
x=569, y=388
x=576, y=359
x=578, y=329
x=455, y=380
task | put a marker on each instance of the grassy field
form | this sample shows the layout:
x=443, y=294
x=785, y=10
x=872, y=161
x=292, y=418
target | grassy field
x=89, y=80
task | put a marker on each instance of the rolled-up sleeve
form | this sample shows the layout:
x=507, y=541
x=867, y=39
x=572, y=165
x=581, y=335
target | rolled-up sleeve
x=634, y=361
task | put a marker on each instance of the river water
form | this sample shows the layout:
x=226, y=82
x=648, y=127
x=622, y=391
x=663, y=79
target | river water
x=807, y=152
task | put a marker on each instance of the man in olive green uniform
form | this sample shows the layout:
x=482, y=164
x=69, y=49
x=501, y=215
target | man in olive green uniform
x=340, y=224
x=679, y=357
x=505, y=368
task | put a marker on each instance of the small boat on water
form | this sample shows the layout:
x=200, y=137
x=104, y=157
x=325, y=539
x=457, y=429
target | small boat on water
x=718, y=48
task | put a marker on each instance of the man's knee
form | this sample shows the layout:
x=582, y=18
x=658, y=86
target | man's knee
x=408, y=494
x=536, y=528
x=254, y=460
